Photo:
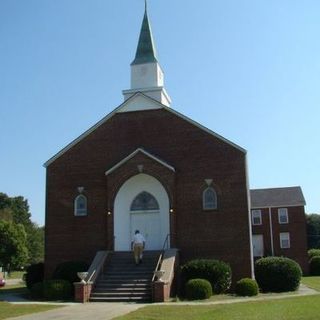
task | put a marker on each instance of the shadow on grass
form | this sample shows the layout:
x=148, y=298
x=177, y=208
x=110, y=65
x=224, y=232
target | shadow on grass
x=17, y=292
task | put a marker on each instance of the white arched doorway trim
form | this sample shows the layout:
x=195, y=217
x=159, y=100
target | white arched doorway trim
x=153, y=224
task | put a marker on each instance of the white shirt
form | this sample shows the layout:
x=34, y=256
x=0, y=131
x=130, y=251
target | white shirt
x=138, y=239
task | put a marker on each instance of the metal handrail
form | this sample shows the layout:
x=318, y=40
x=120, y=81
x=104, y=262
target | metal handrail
x=157, y=267
x=165, y=243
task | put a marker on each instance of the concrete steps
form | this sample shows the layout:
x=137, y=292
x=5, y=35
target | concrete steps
x=123, y=281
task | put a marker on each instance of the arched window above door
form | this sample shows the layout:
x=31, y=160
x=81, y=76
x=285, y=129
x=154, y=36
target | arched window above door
x=144, y=201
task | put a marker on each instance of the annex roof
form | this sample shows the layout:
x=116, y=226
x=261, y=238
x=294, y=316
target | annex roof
x=131, y=155
x=125, y=107
x=277, y=197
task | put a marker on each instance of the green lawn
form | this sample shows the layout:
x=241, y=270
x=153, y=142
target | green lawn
x=16, y=274
x=18, y=289
x=8, y=310
x=312, y=282
x=306, y=308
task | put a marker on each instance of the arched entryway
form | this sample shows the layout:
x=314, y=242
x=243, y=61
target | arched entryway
x=141, y=203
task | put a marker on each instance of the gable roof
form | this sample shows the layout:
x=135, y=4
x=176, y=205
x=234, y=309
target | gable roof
x=277, y=197
x=156, y=105
x=131, y=155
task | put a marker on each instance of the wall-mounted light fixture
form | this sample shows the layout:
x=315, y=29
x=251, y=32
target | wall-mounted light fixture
x=171, y=210
x=109, y=213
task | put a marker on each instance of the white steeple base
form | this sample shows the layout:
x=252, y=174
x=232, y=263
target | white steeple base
x=157, y=93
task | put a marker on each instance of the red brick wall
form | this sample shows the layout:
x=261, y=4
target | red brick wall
x=195, y=154
x=296, y=228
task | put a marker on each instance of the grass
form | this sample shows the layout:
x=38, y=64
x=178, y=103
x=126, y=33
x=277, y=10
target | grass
x=8, y=310
x=16, y=275
x=293, y=308
x=312, y=282
x=297, y=308
x=17, y=289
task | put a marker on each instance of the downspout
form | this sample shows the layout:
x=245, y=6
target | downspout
x=271, y=232
x=249, y=218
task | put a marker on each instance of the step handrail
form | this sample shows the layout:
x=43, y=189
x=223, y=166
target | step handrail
x=157, y=266
x=165, y=243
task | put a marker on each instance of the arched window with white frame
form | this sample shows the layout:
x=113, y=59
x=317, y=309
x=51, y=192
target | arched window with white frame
x=80, y=205
x=209, y=199
x=144, y=201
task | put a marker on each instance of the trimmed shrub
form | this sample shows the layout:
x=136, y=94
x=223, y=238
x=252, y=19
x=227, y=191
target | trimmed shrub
x=57, y=290
x=36, y=291
x=313, y=253
x=68, y=270
x=246, y=287
x=198, y=289
x=34, y=274
x=277, y=274
x=218, y=273
x=315, y=266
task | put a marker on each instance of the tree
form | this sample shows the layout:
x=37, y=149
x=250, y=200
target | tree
x=313, y=230
x=35, y=243
x=19, y=208
x=13, y=249
x=16, y=210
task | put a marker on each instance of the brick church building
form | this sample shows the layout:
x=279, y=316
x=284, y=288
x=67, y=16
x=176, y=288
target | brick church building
x=146, y=166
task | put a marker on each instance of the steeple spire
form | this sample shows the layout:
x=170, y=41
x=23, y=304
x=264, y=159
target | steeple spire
x=146, y=51
x=146, y=74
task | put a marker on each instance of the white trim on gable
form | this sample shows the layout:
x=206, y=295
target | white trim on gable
x=140, y=103
x=131, y=155
x=154, y=104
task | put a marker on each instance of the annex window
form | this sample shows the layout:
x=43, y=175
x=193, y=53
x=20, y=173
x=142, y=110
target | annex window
x=284, y=240
x=283, y=215
x=80, y=205
x=256, y=217
x=144, y=201
x=209, y=199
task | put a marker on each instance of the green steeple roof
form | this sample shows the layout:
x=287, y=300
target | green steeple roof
x=146, y=51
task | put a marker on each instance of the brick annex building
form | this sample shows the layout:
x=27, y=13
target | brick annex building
x=145, y=166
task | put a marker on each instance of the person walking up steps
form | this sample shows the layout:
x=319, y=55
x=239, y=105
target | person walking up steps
x=137, y=245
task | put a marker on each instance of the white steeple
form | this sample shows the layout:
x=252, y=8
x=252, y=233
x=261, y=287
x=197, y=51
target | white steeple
x=146, y=73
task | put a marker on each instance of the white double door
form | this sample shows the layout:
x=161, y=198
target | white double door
x=148, y=223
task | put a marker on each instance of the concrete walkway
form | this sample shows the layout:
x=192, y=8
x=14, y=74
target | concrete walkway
x=108, y=311
x=96, y=311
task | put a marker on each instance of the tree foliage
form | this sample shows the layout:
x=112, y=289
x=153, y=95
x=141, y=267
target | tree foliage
x=35, y=243
x=16, y=211
x=19, y=208
x=313, y=230
x=13, y=249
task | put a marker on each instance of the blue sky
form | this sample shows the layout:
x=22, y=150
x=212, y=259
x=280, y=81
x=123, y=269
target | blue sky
x=248, y=70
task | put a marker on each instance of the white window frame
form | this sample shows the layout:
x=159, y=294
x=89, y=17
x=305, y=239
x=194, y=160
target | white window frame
x=285, y=236
x=254, y=214
x=204, y=204
x=80, y=212
x=283, y=212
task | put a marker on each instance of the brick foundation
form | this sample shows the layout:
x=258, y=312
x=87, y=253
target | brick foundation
x=82, y=291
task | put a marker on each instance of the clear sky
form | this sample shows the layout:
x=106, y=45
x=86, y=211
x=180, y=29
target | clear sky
x=248, y=70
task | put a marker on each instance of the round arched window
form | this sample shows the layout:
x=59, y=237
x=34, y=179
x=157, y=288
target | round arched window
x=144, y=201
